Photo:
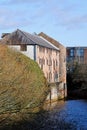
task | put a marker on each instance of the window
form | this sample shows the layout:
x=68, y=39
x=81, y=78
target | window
x=23, y=47
x=50, y=76
x=72, y=52
x=42, y=66
x=50, y=51
x=47, y=61
x=80, y=52
x=56, y=76
x=41, y=49
x=54, y=64
x=42, y=61
x=50, y=61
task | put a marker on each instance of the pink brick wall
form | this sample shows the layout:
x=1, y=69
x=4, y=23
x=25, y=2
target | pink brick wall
x=48, y=60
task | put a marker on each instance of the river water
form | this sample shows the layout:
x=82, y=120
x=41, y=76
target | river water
x=62, y=115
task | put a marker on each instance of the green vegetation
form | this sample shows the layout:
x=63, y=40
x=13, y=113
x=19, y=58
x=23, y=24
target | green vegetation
x=23, y=87
x=77, y=75
x=77, y=80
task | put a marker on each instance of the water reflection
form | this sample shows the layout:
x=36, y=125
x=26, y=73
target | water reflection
x=53, y=105
x=68, y=115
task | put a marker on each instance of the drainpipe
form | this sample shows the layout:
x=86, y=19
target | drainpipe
x=64, y=91
x=34, y=52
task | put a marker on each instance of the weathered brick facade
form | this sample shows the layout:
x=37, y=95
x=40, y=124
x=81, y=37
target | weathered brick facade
x=38, y=49
x=48, y=60
x=48, y=53
x=62, y=57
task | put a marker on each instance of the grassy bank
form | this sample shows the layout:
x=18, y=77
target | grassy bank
x=23, y=86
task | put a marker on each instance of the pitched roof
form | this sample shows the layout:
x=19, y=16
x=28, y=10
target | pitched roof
x=50, y=39
x=29, y=39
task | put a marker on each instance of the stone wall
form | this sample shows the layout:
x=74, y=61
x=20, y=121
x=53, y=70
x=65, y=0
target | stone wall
x=57, y=92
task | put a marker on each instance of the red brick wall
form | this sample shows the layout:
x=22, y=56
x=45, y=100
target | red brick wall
x=85, y=56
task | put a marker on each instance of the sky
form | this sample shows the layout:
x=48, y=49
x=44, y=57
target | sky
x=63, y=20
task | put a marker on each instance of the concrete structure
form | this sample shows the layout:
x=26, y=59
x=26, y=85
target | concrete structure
x=77, y=54
x=57, y=92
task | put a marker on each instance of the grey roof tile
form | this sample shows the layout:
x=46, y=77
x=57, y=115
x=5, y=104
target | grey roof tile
x=31, y=39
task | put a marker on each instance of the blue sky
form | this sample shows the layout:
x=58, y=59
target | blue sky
x=64, y=20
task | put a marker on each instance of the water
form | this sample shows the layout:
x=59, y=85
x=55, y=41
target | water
x=68, y=115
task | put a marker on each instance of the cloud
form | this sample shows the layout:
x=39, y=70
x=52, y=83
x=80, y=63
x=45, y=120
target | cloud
x=71, y=23
x=21, y=15
x=13, y=18
x=8, y=2
x=11, y=24
x=53, y=12
x=70, y=15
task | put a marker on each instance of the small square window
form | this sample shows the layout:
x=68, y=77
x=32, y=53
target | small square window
x=23, y=47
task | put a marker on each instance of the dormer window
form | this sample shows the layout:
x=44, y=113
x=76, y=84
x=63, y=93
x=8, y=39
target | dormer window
x=23, y=47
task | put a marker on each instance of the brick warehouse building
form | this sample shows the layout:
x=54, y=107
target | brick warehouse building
x=62, y=62
x=62, y=56
x=47, y=52
x=38, y=49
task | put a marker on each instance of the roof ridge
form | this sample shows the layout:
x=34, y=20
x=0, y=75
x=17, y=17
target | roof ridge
x=50, y=37
x=49, y=42
x=25, y=34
